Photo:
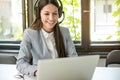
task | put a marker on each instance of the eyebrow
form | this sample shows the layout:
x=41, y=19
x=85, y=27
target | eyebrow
x=53, y=12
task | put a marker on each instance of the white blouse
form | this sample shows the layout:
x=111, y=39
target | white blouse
x=50, y=41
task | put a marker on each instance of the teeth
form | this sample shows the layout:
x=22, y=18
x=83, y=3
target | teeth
x=51, y=22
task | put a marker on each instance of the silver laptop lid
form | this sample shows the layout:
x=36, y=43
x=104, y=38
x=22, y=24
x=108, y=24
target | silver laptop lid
x=71, y=68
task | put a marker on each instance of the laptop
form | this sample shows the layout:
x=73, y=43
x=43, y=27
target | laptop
x=70, y=68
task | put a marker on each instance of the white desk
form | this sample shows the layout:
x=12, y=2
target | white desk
x=109, y=73
x=8, y=72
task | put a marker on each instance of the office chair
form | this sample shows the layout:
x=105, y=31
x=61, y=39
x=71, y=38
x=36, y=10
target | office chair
x=113, y=58
x=5, y=59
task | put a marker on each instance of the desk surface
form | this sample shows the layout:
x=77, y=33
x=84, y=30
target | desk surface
x=107, y=73
x=8, y=72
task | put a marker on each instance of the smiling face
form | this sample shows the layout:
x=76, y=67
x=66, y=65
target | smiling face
x=49, y=17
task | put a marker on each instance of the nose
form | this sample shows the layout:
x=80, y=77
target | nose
x=51, y=17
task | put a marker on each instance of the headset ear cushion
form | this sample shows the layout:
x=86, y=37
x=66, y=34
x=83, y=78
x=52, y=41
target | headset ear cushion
x=60, y=11
x=37, y=15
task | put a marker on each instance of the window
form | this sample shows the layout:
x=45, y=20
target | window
x=15, y=16
x=100, y=32
x=11, y=19
x=103, y=23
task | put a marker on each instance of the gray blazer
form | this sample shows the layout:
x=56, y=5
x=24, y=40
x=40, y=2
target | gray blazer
x=33, y=43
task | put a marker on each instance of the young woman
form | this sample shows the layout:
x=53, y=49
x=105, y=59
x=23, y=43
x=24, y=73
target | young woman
x=44, y=39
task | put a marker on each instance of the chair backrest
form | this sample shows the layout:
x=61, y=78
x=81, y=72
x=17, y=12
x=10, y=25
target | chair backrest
x=4, y=59
x=113, y=58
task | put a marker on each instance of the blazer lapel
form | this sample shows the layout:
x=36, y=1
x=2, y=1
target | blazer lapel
x=44, y=46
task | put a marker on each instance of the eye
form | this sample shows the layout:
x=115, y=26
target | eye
x=46, y=13
x=55, y=13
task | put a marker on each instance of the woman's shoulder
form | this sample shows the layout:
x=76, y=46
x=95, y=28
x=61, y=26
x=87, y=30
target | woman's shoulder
x=30, y=31
x=64, y=29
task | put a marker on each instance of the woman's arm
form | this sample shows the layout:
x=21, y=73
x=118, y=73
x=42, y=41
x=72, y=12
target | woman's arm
x=23, y=61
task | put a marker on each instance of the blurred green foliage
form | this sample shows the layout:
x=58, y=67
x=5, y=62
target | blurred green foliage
x=72, y=18
x=116, y=13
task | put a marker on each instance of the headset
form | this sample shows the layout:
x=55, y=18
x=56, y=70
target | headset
x=60, y=10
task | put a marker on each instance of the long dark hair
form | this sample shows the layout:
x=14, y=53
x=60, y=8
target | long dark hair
x=37, y=25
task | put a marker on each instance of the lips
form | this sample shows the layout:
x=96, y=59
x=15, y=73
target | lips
x=51, y=23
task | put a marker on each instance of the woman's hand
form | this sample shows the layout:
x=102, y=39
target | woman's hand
x=35, y=73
